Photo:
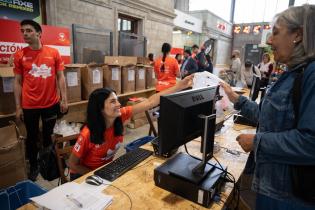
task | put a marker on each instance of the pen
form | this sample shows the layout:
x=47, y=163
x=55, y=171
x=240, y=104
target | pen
x=75, y=201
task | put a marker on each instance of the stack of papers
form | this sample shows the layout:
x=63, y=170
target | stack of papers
x=74, y=196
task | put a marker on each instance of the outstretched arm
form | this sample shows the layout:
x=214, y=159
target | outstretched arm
x=154, y=100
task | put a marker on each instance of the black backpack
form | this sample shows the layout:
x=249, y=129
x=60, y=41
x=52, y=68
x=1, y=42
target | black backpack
x=48, y=166
x=303, y=176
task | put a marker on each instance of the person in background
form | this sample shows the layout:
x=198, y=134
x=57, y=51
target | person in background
x=203, y=61
x=194, y=50
x=166, y=69
x=247, y=73
x=39, y=74
x=236, y=66
x=189, y=65
x=265, y=68
x=285, y=137
x=151, y=58
x=102, y=134
x=178, y=57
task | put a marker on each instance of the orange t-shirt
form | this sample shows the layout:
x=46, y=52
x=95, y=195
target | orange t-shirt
x=39, y=70
x=167, y=78
x=95, y=155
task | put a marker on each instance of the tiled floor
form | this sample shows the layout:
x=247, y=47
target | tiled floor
x=130, y=135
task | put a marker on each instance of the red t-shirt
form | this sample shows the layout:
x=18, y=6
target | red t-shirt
x=95, y=155
x=39, y=70
x=167, y=78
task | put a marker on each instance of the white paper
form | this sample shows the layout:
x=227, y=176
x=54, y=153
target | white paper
x=115, y=74
x=7, y=83
x=72, y=79
x=96, y=76
x=131, y=74
x=141, y=74
x=91, y=197
x=205, y=79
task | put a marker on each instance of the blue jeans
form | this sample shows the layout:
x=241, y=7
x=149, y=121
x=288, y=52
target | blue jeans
x=264, y=202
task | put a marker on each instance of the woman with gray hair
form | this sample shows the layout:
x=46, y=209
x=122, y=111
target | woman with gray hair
x=283, y=148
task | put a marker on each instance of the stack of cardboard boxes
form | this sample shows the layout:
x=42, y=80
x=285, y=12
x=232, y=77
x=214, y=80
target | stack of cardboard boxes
x=12, y=157
x=137, y=120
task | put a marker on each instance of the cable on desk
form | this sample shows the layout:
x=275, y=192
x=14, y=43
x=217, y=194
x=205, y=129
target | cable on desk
x=122, y=192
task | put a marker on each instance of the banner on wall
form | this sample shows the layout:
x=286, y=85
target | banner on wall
x=11, y=40
x=20, y=10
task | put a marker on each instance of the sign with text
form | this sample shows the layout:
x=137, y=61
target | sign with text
x=11, y=40
x=20, y=10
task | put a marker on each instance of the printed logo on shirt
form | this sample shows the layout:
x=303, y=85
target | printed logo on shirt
x=110, y=153
x=77, y=147
x=42, y=71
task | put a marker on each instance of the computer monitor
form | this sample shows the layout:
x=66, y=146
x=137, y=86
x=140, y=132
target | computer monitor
x=254, y=91
x=179, y=120
x=182, y=119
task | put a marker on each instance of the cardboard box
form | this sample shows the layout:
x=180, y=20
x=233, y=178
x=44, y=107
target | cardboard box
x=7, y=104
x=143, y=60
x=12, y=157
x=72, y=74
x=140, y=77
x=120, y=60
x=127, y=60
x=112, y=77
x=91, y=79
x=137, y=123
x=133, y=101
x=150, y=77
x=128, y=74
x=112, y=60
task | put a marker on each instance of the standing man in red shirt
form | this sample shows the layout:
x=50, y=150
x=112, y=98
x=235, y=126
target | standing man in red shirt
x=38, y=71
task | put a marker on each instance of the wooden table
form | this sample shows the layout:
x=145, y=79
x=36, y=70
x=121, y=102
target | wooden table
x=138, y=183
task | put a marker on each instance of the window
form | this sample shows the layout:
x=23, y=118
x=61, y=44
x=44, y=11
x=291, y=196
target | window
x=127, y=24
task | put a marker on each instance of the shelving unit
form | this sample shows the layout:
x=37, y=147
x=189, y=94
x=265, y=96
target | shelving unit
x=77, y=109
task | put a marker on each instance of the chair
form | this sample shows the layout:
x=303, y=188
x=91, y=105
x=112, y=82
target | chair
x=152, y=115
x=63, y=148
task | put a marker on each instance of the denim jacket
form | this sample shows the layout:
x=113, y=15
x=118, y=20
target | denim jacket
x=279, y=142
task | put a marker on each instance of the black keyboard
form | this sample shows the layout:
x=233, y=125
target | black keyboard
x=122, y=164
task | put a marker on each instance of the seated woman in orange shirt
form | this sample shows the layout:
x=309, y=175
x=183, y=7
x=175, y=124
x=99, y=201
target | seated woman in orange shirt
x=102, y=135
x=166, y=69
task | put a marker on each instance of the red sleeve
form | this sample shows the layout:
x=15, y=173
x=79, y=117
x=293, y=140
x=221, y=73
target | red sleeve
x=59, y=62
x=126, y=113
x=17, y=62
x=81, y=146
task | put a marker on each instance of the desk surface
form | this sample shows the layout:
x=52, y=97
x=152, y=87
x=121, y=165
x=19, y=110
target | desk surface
x=138, y=183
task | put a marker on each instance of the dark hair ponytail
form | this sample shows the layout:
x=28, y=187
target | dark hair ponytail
x=95, y=119
x=166, y=48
